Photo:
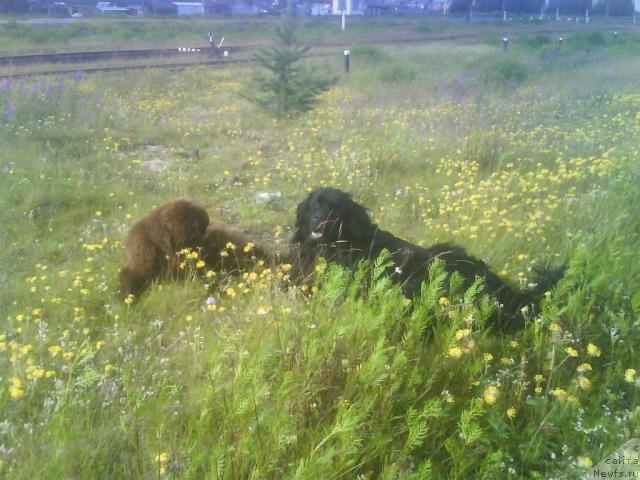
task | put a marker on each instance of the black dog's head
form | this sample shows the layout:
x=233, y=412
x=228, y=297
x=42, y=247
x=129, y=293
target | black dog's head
x=329, y=215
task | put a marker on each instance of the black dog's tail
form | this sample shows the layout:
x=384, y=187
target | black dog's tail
x=544, y=280
x=526, y=303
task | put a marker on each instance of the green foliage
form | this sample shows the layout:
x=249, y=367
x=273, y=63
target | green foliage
x=397, y=72
x=505, y=69
x=369, y=54
x=536, y=41
x=586, y=40
x=284, y=87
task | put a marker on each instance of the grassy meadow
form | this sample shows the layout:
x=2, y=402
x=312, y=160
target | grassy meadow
x=526, y=158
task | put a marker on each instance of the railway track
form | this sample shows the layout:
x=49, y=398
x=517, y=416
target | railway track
x=107, y=55
x=205, y=53
x=124, y=68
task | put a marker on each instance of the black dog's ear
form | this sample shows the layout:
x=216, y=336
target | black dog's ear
x=356, y=223
x=301, y=232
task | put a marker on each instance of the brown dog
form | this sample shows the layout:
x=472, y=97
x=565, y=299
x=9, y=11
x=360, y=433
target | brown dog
x=153, y=242
x=225, y=248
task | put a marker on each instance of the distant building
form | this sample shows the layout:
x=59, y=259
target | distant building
x=162, y=7
x=217, y=8
x=189, y=8
x=107, y=8
x=438, y=6
x=349, y=7
x=376, y=9
x=323, y=8
x=243, y=8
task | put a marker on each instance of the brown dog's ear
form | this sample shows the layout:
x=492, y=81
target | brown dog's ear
x=302, y=221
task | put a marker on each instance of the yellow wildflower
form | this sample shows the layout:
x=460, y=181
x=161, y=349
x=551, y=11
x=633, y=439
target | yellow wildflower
x=491, y=394
x=16, y=389
x=572, y=352
x=455, y=352
x=465, y=332
x=161, y=459
x=630, y=375
x=554, y=327
x=584, y=367
x=560, y=394
x=584, y=382
x=593, y=350
x=584, y=462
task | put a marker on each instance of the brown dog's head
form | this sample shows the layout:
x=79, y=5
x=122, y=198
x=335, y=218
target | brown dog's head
x=330, y=215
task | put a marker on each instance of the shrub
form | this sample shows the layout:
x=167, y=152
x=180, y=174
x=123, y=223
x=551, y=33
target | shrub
x=284, y=87
x=505, y=70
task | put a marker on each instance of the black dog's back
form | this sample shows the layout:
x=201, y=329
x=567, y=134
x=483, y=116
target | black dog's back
x=412, y=265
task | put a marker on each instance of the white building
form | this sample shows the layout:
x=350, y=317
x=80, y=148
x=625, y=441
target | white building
x=190, y=8
x=350, y=7
x=324, y=9
x=106, y=8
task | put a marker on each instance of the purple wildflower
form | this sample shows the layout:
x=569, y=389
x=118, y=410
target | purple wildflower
x=10, y=112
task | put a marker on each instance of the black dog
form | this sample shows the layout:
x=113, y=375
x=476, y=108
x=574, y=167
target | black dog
x=329, y=223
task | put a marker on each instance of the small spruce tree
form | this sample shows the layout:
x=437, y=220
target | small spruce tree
x=283, y=86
